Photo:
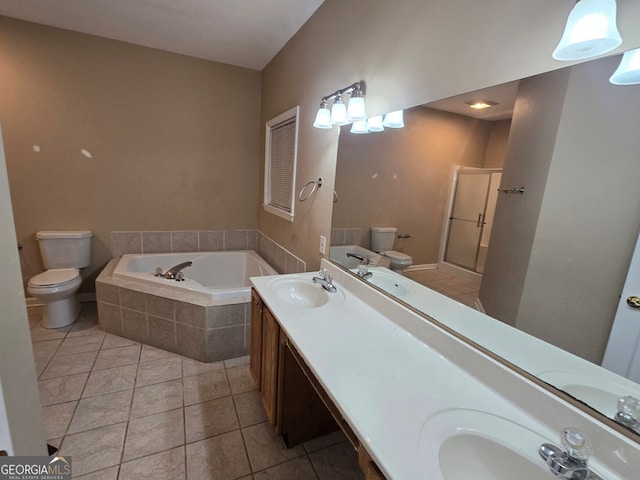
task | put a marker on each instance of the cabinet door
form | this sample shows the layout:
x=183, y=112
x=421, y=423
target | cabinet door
x=255, y=348
x=269, y=382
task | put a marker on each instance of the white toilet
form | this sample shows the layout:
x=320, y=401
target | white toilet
x=382, y=240
x=63, y=253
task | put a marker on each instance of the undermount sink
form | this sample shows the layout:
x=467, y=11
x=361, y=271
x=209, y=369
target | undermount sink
x=301, y=292
x=391, y=282
x=462, y=444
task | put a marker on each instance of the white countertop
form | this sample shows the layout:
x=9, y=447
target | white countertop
x=389, y=371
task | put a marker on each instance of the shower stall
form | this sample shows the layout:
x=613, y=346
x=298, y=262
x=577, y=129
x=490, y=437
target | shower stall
x=471, y=212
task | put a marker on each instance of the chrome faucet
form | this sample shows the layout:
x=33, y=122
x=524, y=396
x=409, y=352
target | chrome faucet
x=570, y=461
x=629, y=413
x=174, y=273
x=325, y=280
x=357, y=256
x=363, y=270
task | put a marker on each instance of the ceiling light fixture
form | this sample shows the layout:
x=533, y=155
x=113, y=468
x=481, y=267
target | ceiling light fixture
x=481, y=104
x=340, y=113
x=628, y=72
x=590, y=31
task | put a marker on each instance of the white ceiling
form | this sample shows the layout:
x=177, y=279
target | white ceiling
x=503, y=95
x=247, y=33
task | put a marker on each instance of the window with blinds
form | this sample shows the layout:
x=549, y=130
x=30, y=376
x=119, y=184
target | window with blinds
x=280, y=164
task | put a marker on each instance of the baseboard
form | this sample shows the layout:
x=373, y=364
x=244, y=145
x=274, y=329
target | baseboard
x=479, y=306
x=426, y=266
x=33, y=302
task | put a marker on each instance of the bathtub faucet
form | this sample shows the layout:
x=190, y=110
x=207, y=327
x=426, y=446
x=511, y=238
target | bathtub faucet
x=174, y=273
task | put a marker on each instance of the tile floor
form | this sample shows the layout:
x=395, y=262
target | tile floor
x=123, y=410
x=449, y=284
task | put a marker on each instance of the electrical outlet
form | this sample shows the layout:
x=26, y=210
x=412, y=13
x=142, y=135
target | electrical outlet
x=323, y=244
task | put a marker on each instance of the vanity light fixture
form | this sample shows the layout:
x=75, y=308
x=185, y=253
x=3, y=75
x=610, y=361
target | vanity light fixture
x=394, y=119
x=628, y=72
x=340, y=114
x=374, y=124
x=360, y=127
x=480, y=104
x=590, y=31
x=323, y=117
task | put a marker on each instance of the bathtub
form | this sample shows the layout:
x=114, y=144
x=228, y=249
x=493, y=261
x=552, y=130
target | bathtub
x=206, y=317
x=216, y=275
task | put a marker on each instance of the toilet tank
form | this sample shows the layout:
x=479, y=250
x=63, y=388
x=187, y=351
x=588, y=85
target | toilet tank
x=382, y=238
x=65, y=249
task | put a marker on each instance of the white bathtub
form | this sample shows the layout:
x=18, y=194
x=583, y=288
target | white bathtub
x=214, y=275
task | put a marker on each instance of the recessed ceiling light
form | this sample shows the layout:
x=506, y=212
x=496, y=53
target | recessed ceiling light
x=480, y=104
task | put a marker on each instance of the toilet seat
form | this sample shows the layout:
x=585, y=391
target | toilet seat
x=55, y=278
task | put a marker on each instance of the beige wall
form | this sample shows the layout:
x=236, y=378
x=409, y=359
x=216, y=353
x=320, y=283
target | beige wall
x=534, y=127
x=174, y=139
x=409, y=53
x=497, y=145
x=402, y=177
x=589, y=218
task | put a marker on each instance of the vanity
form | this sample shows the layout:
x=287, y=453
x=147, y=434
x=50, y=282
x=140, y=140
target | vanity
x=415, y=399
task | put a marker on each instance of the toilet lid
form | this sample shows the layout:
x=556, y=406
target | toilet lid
x=398, y=255
x=57, y=276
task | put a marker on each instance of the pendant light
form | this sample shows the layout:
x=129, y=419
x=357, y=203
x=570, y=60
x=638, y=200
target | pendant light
x=590, y=31
x=355, y=110
x=628, y=72
x=339, y=112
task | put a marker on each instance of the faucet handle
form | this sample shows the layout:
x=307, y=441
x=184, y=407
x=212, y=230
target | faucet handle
x=576, y=444
x=628, y=412
x=324, y=274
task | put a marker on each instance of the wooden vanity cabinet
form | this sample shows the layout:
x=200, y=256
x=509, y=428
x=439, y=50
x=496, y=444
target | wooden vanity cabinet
x=255, y=346
x=269, y=378
x=296, y=404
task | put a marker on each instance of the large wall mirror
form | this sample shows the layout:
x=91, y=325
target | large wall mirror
x=528, y=211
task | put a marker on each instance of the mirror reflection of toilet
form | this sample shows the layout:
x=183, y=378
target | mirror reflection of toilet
x=63, y=254
x=382, y=241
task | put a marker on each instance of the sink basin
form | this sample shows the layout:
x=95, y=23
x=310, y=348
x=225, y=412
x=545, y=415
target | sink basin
x=302, y=292
x=599, y=393
x=462, y=444
x=391, y=282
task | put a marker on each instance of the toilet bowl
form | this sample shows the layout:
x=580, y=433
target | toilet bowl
x=398, y=261
x=55, y=289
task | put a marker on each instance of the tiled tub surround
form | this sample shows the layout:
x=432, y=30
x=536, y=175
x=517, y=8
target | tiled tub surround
x=183, y=322
x=123, y=242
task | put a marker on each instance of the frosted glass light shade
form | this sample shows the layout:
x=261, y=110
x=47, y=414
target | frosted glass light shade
x=355, y=110
x=323, y=118
x=359, y=127
x=339, y=113
x=394, y=119
x=374, y=124
x=628, y=72
x=591, y=30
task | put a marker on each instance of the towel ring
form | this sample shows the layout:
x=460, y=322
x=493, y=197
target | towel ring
x=315, y=185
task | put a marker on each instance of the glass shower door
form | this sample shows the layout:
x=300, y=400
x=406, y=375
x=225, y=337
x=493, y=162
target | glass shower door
x=467, y=219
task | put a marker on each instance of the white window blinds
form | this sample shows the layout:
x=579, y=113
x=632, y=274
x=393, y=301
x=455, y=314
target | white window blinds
x=280, y=164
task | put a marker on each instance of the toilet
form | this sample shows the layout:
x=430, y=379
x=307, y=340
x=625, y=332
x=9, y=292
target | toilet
x=382, y=240
x=63, y=254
